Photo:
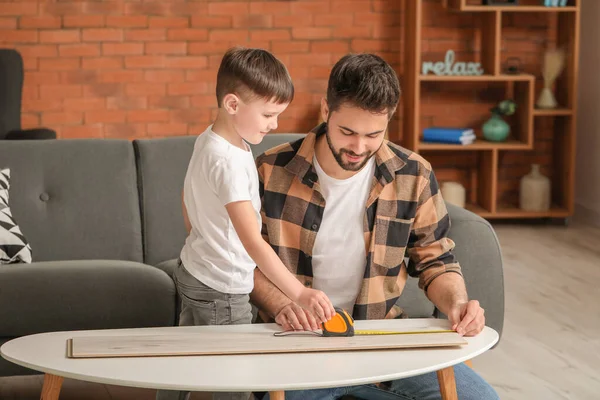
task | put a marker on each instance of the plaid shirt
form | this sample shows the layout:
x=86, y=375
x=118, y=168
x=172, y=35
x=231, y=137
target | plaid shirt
x=404, y=214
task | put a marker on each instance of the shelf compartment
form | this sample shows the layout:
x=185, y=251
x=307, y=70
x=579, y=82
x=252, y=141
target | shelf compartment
x=467, y=105
x=552, y=152
x=476, y=171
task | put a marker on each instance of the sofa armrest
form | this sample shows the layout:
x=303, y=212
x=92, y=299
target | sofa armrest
x=83, y=294
x=31, y=134
x=478, y=252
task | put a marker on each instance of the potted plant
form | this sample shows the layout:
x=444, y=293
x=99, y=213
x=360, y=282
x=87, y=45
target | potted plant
x=496, y=129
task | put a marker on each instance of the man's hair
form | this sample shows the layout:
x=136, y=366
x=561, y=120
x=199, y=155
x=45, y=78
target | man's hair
x=253, y=73
x=365, y=81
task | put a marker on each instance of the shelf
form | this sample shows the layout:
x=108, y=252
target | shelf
x=510, y=212
x=477, y=78
x=544, y=136
x=459, y=6
x=477, y=145
x=505, y=211
x=552, y=112
x=518, y=8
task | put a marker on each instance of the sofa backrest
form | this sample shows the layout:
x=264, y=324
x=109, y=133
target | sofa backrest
x=162, y=164
x=161, y=167
x=75, y=199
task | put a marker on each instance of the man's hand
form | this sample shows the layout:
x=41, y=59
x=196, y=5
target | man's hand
x=294, y=317
x=467, y=318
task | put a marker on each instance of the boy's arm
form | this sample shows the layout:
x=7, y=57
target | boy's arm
x=269, y=299
x=186, y=220
x=245, y=223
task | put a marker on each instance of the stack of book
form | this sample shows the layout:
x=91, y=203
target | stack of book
x=448, y=135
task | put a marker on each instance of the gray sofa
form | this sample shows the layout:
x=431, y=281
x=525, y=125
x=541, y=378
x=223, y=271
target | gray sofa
x=104, y=221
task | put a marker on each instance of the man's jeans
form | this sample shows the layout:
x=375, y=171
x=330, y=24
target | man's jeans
x=469, y=386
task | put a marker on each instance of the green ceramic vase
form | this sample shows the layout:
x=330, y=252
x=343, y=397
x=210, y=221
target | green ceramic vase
x=496, y=129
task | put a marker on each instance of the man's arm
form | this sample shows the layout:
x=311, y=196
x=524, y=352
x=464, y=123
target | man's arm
x=432, y=260
x=449, y=295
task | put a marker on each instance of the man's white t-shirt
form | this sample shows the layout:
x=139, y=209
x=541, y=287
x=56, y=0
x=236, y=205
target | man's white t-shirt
x=339, y=254
x=219, y=173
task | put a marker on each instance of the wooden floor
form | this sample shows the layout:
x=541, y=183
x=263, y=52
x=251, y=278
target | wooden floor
x=551, y=343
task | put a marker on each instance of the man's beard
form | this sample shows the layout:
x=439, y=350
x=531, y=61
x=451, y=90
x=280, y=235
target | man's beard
x=348, y=166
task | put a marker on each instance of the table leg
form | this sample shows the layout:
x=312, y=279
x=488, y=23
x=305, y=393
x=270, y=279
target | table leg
x=447, y=383
x=51, y=388
x=278, y=395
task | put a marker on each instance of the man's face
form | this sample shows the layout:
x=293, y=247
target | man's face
x=354, y=135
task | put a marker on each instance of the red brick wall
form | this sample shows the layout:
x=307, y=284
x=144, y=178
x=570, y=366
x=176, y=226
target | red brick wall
x=127, y=69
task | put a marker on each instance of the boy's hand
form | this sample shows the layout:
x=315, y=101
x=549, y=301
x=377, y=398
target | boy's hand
x=317, y=303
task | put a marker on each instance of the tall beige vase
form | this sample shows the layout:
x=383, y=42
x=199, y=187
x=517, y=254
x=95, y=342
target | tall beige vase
x=535, y=191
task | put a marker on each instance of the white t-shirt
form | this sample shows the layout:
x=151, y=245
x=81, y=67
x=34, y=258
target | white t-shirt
x=219, y=173
x=339, y=254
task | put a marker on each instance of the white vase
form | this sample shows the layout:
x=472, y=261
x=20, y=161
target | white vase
x=454, y=193
x=534, y=191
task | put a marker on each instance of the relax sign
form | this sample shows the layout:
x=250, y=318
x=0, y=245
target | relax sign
x=448, y=67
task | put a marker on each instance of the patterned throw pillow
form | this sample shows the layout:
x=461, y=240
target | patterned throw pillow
x=14, y=248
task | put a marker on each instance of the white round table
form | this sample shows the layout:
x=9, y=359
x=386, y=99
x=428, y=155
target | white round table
x=46, y=352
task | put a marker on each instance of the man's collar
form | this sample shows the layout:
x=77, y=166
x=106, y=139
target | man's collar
x=302, y=166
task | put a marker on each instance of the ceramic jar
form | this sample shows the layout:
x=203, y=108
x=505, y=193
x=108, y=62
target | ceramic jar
x=534, y=191
x=454, y=193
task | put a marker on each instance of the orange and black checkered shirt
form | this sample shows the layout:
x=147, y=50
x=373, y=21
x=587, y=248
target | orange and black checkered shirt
x=404, y=215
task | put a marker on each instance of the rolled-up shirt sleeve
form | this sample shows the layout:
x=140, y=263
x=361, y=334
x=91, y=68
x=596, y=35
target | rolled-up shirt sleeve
x=430, y=250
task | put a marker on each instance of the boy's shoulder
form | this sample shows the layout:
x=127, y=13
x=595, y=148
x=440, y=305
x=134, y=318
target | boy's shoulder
x=210, y=150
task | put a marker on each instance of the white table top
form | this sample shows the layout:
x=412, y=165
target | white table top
x=46, y=352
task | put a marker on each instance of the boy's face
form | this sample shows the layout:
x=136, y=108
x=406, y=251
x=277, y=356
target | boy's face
x=254, y=118
x=354, y=135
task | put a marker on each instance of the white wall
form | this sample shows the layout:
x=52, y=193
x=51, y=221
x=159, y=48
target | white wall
x=587, y=193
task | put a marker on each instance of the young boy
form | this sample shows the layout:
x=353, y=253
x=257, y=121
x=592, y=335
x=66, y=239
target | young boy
x=221, y=199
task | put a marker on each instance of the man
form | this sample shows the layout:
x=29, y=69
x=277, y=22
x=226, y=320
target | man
x=342, y=207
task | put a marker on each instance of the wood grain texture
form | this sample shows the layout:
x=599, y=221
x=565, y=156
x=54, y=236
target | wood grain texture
x=210, y=343
x=279, y=395
x=52, y=386
x=447, y=384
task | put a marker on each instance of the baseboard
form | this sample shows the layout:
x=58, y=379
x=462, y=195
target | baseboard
x=586, y=215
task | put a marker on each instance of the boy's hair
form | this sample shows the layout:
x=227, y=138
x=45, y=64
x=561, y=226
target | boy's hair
x=365, y=81
x=252, y=73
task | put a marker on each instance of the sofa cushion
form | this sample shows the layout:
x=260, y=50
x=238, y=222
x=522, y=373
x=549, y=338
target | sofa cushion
x=75, y=199
x=14, y=247
x=88, y=294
